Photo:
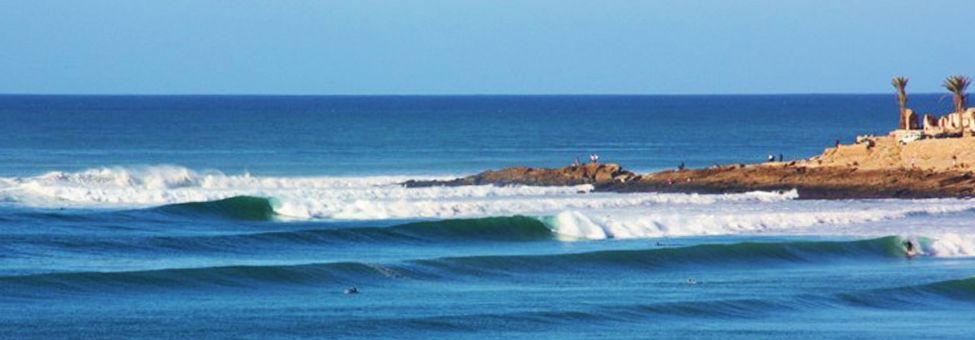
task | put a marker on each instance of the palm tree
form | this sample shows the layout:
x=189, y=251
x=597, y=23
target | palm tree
x=900, y=83
x=957, y=86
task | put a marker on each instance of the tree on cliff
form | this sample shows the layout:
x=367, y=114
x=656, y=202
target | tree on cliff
x=957, y=86
x=900, y=83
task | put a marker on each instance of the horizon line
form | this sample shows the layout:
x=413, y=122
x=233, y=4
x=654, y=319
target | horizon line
x=455, y=94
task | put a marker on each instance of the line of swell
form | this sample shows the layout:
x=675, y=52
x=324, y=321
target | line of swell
x=745, y=255
x=248, y=208
x=490, y=229
x=962, y=291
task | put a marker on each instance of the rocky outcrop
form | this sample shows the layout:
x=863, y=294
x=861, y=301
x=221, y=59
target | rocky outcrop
x=935, y=154
x=912, y=121
x=844, y=182
x=596, y=174
x=908, y=120
x=952, y=124
x=880, y=167
x=811, y=181
x=931, y=127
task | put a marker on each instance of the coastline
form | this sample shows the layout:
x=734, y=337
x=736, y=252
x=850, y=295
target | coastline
x=880, y=167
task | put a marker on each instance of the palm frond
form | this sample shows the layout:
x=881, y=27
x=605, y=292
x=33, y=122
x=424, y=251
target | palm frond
x=956, y=84
x=899, y=82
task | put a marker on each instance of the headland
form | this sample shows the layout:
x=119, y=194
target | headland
x=933, y=158
x=886, y=170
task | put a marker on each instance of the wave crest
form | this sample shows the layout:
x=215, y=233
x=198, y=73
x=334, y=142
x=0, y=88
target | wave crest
x=570, y=212
x=338, y=198
x=748, y=255
x=237, y=207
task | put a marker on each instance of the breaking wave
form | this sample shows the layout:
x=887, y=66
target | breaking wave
x=329, y=198
x=237, y=207
x=672, y=223
x=516, y=228
x=472, y=212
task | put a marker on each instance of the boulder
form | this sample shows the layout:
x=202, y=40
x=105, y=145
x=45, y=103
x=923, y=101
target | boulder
x=931, y=127
x=605, y=173
x=908, y=120
x=912, y=123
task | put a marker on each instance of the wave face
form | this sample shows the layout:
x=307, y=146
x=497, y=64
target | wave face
x=706, y=255
x=570, y=213
x=505, y=230
x=749, y=254
x=515, y=229
x=381, y=197
x=339, y=198
x=237, y=207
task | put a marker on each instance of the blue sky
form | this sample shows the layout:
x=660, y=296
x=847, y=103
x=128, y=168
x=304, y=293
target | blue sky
x=481, y=47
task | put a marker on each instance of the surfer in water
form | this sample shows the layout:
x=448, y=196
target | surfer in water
x=910, y=249
x=352, y=290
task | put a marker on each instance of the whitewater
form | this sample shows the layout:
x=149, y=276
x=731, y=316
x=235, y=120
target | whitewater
x=573, y=212
x=250, y=217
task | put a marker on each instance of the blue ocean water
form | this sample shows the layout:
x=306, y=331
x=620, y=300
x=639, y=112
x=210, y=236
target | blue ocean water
x=296, y=135
x=251, y=216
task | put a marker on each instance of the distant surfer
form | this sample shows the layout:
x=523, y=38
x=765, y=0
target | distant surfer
x=692, y=281
x=352, y=290
x=910, y=249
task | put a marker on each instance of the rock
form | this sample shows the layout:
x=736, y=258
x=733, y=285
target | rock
x=968, y=120
x=597, y=174
x=912, y=123
x=605, y=173
x=908, y=120
x=927, y=168
x=931, y=126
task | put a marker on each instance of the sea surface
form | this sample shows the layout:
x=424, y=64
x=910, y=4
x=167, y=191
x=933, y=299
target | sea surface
x=253, y=217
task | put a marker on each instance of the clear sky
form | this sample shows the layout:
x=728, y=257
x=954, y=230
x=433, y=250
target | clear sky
x=481, y=47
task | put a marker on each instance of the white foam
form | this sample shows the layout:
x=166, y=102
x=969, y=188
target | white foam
x=343, y=198
x=952, y=245
x=821, y=217
x=574, y=212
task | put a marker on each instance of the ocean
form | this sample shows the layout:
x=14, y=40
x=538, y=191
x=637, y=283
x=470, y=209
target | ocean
x=255, y=216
